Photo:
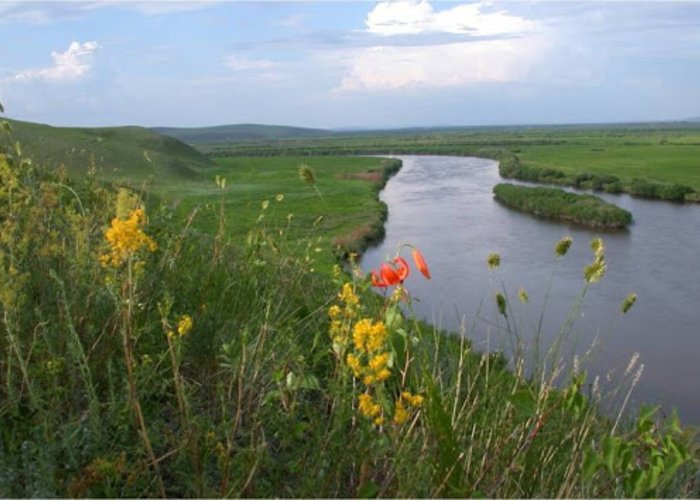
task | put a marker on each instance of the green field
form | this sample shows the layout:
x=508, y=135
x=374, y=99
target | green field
x=342, y=208
x=667, y=153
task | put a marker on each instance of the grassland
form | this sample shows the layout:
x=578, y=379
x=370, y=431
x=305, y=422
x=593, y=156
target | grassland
x=136, y=154
x=666, y=154
x=162, y=353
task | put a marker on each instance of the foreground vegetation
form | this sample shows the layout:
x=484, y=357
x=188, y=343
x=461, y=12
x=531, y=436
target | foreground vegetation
x=145, y=356
x=586, y=210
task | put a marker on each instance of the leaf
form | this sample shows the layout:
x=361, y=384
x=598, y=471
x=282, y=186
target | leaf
x=523, y=402
x=368, y=490
x=590, y=464
x=610, y=448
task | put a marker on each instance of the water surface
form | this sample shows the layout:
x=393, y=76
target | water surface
x=444, y=205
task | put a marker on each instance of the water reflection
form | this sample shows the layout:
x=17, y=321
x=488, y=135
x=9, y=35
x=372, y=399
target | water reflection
x=444, y=205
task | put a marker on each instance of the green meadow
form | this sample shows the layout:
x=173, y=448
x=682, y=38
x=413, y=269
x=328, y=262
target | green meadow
x=170, y=335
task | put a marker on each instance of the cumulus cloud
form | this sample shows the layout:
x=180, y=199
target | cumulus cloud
x=482, y=45
x=72, y=64
x=411, y=17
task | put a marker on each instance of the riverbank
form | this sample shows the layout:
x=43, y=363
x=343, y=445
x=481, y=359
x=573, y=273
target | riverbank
x=557, y=204
x=511, y=167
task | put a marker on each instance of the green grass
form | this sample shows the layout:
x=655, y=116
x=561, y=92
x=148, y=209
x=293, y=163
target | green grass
x=106, y=392
x=662, y=153
x=134, y=153
x=341, y=210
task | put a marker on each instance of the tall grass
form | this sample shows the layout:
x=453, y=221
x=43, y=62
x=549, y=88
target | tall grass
x=155, y=360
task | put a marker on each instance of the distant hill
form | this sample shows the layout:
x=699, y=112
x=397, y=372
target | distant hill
x=241, y=132
x=117, y=152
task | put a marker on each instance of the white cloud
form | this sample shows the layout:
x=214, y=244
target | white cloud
x=484, y=46
x=446, y=65
x=412, y=17
x=238, y=63
x=72, y=64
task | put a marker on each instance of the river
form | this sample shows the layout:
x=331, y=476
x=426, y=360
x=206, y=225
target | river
x=444, y=206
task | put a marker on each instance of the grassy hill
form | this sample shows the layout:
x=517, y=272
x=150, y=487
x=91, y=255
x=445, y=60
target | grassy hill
x=241, y=132
x=117, y=152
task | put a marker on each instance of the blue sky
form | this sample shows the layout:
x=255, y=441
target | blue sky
x=332, y=64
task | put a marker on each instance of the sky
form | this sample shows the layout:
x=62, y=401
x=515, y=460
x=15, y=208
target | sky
x=335, y=64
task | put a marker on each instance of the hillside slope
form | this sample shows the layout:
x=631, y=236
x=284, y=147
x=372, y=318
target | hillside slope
x=116, y=152
x=241, y=132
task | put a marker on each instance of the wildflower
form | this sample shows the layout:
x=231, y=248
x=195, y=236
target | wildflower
x=379, y=421
x=368, y=407
x=379, y=361
x=414, y=400
x=493, y=260
x=334, y=311
x=279, y=197
x=383, y=374
x=523, y=296
x=354, y=364
x=347, y=295
x=265, y=204
x=403, y=269
x=389, y=275
x=594, y=272
x=563, y=246
x=401, y=414
x=368, y=336
x=184, y=325
x=377, y=280
x=501, y=302
x=125, y=237
x=420, y=263
x=628, y=303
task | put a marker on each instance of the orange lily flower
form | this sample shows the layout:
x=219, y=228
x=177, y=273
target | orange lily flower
x=403, y=269
x=377, y=280
x=389, y=275
x=420, y=263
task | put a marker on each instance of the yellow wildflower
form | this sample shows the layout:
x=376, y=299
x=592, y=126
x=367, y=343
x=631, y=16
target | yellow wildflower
x=523, y=296
x=414, y=400
x=401, y=414
x=493, y=260
x=379, y=361
x=379, y=421
x=383, y=374
x=184, y=325
x=369, y=337
x=354, y=364
x=347, y=295
x=368, y=407
x=125, y=237
x=334, y=311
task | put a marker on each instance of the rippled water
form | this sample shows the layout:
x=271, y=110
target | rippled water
x=444, y=206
